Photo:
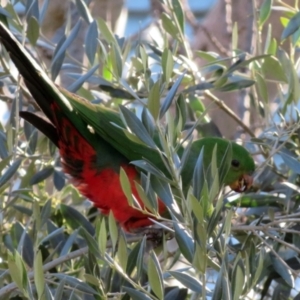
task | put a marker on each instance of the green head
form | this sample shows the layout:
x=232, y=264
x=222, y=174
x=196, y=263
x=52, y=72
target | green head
x=241, y=164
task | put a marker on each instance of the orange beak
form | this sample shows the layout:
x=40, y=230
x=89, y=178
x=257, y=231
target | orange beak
x=242, y=184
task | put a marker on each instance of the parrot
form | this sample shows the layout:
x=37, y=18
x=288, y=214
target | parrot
x=95, y=146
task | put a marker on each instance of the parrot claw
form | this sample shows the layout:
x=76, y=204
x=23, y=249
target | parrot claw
x=242, y=184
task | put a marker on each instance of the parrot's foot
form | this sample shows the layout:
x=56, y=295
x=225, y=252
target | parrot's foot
x=155, y=235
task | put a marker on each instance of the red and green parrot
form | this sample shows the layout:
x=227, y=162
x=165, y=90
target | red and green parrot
x=94, y=146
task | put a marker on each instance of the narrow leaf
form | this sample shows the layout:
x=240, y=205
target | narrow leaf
x=155, y=276
x=91, y=42
x=33, y=30
x=92, y=244
x=292, y=26
x=265, y=11
x=135, y=294
x=154, y=100
x=198, y=176
x=169, y=25
x=41, y=175
x=75, y=283
x=10, y=172
x=185, y=242
x=177, y=6
x=39, y=274
x=126, y=187
x=84, y=11
x=188, y=281
x=137, y=127
x=283, y=271
x=76, y=85
x=106, y=32
x=170, y=96
x=75, y=219
x=60, y=52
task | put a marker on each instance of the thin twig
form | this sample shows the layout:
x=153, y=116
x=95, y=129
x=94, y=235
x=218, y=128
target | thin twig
x=228, y=111
x=296, y=215
x=263, y=228
x=279, y=220
x=12, y=286
x=275, y=253
x=58, y=261
x=275, y=150
x=215, y=41
x=283, y=242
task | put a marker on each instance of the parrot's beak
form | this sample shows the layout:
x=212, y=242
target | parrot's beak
x=242, y=184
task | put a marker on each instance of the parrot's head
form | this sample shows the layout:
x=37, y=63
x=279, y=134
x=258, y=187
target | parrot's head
x=231, y=158
x=242, y=166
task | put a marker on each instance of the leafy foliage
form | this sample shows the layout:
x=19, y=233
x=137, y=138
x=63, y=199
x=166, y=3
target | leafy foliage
x=54, y=245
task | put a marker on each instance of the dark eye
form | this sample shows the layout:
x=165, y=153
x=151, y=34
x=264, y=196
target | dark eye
x=235, y=163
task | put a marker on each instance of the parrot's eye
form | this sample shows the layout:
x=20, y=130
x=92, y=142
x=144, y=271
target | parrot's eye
x=235, y=163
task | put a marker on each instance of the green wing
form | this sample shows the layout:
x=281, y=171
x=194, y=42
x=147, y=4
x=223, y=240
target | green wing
x=107, y=123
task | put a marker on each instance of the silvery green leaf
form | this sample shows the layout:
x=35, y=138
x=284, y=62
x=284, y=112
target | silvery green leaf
x=169, y=25
x=75, y=219
x=4, y=12
x=3, y=146
x=283, y=271
x=10, y=172
x=148, y=122
x=188, y=281
x=68, y=244
x=91, y=242
x=76, y=85
x=236, y=85
x=46, y=212
x=106, y=32
x=140, y=257
x=137, y=127
x=59, y=180
x=265, y=11
x=155, y=276
x=185, y=242
x=176, y=293
x=55, y=235
x=167, y=64
x=170, y=96
x=41, y=175
x=91, y=41
x=163, y=191
x=48, y=293
x=33, y=30
x=179, y=13
x=39, y=274
x=61, y=49
x=135, y=259
x=154, y=99
x=33, y=141
x=56, y=64
x=84, y=11
x=198, y=176
x=135, y=294
x=149, y=167
x=292, y=26
x=75, y=283
x=291, y=162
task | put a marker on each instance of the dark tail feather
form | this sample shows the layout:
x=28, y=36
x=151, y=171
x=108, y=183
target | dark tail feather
x=28, y=68
x=42, y=125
